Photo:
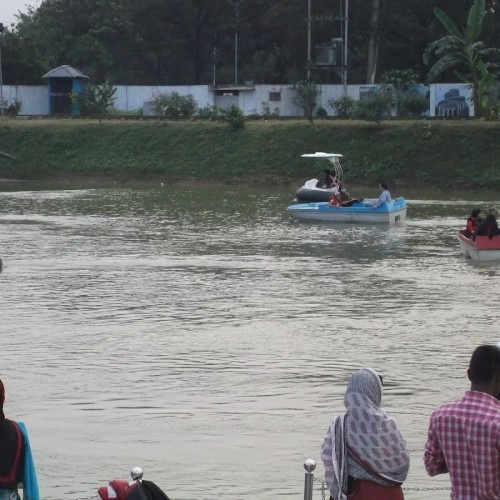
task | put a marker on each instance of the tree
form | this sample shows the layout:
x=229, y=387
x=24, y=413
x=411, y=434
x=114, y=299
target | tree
x=463, y=52
x=306, y=97
x=401, y=80
x=374, y=43
x=95, y=99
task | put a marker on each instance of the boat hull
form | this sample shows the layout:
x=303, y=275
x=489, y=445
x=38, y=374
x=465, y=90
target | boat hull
x=481, y=249
x=313, y=194
x=393, y=213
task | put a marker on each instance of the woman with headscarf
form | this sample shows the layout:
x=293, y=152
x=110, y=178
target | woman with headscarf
x=16, y=462
x=473, y=221
x=364, y=453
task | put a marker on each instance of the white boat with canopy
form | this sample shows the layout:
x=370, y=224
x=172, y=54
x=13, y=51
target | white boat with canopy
x=310, y=190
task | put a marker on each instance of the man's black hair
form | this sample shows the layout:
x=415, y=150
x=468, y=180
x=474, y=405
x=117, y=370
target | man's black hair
x=484, y=364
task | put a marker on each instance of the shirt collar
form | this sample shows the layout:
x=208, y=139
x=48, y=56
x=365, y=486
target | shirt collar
x=481, y=396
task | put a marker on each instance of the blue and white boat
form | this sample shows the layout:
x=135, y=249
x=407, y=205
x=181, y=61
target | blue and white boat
x=360, y=211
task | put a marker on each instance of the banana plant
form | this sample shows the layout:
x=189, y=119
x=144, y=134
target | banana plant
x=462, y=51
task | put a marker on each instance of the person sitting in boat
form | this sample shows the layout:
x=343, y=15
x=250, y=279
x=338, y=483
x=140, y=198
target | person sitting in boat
x=345, y=197
x=328, y=181
x=473, y=222
x=489, y=227
x=385, y=196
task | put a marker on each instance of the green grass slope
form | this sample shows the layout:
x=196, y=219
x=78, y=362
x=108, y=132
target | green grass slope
x=447, y=154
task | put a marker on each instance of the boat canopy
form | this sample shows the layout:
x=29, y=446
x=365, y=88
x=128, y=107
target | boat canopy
x=333, y=158
x=321, y=155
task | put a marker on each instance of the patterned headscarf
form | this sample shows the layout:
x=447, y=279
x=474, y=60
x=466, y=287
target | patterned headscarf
x=372, y=434
x=366, y=431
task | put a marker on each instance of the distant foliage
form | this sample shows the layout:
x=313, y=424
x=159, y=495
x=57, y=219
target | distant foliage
x=174, y=105
x=11, y=109
x=208, y=113
x=321, y=113
x=374, y=107
x=232, y=116
x=95, y=99
x=267, y=112
x=414, y=104
x=344, y=107
x=400, y=78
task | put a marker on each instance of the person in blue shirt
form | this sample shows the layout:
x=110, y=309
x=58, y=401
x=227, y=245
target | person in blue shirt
x=385, y=196
x=16, y=461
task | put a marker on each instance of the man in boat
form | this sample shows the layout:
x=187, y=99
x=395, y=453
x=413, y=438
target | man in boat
x=329, y=180
x=385, y=196
x=464, y=435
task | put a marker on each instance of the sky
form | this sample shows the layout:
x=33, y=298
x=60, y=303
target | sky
x=9, y=8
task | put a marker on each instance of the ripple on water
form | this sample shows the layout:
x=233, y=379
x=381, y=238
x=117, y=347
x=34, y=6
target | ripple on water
x=207, y=338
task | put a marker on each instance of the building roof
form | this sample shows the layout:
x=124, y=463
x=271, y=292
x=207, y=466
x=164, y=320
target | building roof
x=65, y=71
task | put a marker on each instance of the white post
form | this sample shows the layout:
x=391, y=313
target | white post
x=309, y=466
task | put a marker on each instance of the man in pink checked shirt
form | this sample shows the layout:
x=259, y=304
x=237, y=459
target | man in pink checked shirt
x=464, y=435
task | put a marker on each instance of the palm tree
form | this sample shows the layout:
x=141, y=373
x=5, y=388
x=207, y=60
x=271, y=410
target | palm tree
x=462, y=51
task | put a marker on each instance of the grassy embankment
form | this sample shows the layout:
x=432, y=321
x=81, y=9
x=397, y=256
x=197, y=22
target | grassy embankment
x=445, y=154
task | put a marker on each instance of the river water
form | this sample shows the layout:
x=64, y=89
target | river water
x=203, y=335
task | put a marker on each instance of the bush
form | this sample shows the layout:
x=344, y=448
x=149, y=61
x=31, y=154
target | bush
x=208, y=113
x=174, y=105
x=414, y=104
x=374, y=107
x=321, y=113
x=233, y=116
x=345, y=106
x=94, y=99
x=11, y=109
x=306, y=96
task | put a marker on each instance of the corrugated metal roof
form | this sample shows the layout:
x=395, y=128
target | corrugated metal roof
x=65, y=71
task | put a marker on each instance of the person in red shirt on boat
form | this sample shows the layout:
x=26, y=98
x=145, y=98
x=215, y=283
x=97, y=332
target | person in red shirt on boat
x=473, y=222
x=464, y=435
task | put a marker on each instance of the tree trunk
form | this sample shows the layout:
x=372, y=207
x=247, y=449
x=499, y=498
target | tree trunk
x=373, y=44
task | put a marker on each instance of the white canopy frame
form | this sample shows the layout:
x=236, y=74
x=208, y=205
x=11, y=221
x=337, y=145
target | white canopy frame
x=333, y=158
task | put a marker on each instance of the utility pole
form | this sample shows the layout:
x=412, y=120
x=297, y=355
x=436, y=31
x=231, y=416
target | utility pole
x=308, y=40
x=236, y=5
x=344, y=62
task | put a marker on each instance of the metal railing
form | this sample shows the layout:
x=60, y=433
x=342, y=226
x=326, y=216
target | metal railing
x=310, y=466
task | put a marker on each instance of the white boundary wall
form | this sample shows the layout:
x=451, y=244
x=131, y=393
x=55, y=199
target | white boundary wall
x=35, y=99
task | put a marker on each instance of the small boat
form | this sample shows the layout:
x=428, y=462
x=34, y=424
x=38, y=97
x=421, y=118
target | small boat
x=309, y=191
x=482, y=248
x=359, y=211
